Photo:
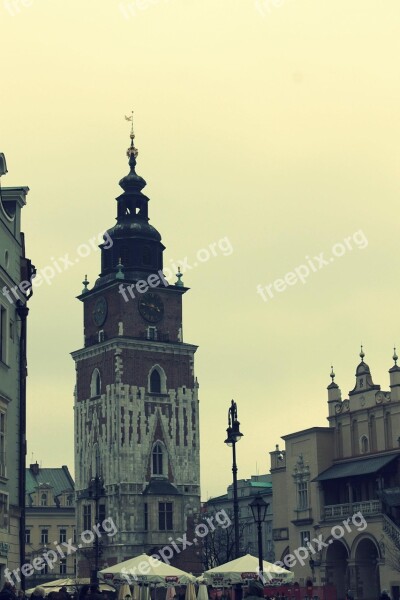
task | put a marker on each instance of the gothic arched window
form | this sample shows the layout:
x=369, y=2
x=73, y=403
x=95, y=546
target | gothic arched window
x=95, y=384
x=364, y=444
x=158, y=460
x=155, y=382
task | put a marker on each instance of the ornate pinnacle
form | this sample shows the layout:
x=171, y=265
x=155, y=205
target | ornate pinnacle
x=131, y=150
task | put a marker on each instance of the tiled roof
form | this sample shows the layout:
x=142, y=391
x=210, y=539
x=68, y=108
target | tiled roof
x=58, y=478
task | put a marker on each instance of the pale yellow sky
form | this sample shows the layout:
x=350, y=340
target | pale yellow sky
x=272, y=124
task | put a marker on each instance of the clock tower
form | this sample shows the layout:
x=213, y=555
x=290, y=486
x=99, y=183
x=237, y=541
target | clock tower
x=136, y=399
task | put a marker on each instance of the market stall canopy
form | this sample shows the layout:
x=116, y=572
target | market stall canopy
x=146, y=569
x=71, y=584
x=245, y=568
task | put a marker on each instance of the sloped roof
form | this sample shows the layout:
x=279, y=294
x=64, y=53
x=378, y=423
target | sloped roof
x=58, y=478
x=352, y=468
x=161, y=487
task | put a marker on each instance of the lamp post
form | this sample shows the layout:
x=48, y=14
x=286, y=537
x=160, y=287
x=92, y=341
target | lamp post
x=96, y=491
x=233, y=436
x=259, y=510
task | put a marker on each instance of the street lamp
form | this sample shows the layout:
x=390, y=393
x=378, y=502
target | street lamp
x=233, y=436
x=259, y=511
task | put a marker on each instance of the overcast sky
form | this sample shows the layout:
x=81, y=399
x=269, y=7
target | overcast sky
x=271, y=125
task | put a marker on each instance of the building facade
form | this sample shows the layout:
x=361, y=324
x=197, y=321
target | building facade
x=338, y=489
x=16, y=273
x=50, y=521
x=219, y=545
x=136, y=397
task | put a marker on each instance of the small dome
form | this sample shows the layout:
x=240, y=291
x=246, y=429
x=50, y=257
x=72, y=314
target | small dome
x=363, y=369
x=132, y=229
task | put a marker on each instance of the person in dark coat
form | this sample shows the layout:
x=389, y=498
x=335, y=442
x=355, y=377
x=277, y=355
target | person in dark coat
x=384, y=595
x=84, y=592
x=95, y=593
x=38, y=593
x=7, y=593
x=256, y=590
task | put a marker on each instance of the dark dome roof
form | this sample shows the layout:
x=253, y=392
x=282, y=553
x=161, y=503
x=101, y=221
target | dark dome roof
x=131, y=229
x=363, y=369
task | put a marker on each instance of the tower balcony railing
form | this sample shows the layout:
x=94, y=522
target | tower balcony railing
x=366, y=507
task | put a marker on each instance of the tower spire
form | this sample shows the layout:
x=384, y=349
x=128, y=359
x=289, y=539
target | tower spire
x=131, y=150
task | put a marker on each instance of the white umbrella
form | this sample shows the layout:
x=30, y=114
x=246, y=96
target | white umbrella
x=246, y=568
x=146, y=569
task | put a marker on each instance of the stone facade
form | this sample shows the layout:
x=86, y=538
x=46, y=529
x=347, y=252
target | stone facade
x=340, y=486
x=136, y=398
x=15, y=289
x=50, y=521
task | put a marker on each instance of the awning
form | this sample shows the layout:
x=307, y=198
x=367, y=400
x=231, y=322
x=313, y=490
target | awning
x=354, y=468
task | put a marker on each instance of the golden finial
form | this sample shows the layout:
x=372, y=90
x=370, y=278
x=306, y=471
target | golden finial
x=362, y=354
x=131, y=150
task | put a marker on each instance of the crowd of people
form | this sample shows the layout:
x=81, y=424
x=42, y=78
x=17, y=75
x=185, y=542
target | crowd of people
x=86, y=592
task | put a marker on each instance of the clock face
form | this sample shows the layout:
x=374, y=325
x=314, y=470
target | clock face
x=151, y=307
x=100, y=311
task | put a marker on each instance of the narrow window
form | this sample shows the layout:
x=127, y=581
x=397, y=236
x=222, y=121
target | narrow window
x=63, y=535
x=3, y=469
x=157, y=460
x=146, y=517
x=3, y=336
x=165, y=520
x=87, y=517
x=354, y=437
x=63, y=566
x=44, y=536
x=372, y=432
x=155, y=382
x=364, y=444
x=302, y=495
x=388, y=431
x=152, y=333
x=27, y=536
x=95, y=384
x=43, y=500
x=339, y=438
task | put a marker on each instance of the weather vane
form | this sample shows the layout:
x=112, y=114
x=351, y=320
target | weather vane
x=131, y=150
